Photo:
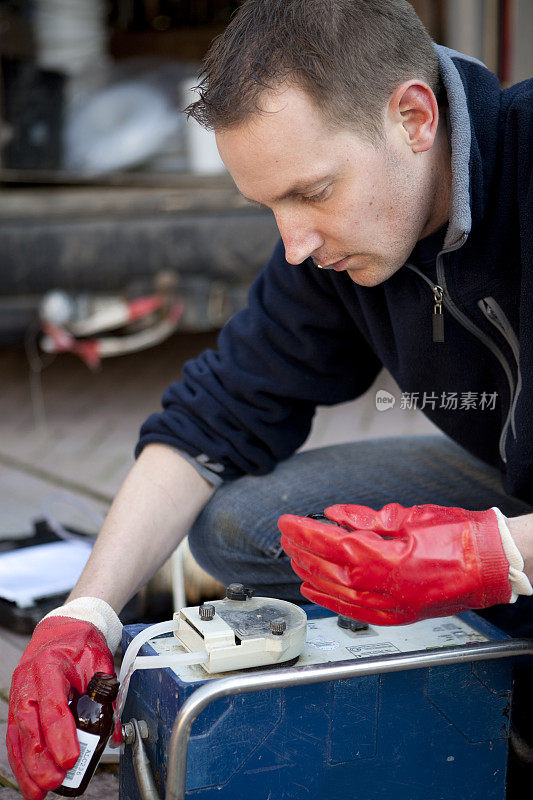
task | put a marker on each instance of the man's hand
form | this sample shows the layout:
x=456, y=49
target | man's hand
x=399, y=565
x=63, y=654
x=66, y=649
x=152, y=512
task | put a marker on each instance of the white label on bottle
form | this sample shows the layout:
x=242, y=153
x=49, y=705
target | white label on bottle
x=88, y=744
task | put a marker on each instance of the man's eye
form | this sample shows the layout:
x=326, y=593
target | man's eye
x=323, y=194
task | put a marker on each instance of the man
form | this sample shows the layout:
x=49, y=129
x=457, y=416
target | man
x=399, y=177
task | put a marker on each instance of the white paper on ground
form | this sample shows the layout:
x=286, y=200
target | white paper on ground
x=42, y=570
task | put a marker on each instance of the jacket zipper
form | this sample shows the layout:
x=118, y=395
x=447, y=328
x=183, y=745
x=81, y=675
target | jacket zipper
x=495, y=314
x=473, y=329
x=438, y=299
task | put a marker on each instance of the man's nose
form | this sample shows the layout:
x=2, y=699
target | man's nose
x=300, y=237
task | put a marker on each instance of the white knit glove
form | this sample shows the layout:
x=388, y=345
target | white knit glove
x=519, y=581
x=98, y=613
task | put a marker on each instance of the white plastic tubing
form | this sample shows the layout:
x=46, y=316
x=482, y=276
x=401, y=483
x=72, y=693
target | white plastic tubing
x=132, y=661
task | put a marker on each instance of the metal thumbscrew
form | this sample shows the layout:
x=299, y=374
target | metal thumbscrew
x=206, y=612
x=236, y=591
x=278, y=626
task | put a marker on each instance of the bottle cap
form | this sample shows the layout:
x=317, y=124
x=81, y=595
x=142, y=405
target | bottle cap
x=103, y=688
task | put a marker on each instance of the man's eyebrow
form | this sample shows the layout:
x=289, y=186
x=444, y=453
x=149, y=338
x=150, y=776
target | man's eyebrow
x=296, y=190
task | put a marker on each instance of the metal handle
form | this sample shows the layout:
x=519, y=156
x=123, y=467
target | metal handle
x=141, y=764
x=298, y=676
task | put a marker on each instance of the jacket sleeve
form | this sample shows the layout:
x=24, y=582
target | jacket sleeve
x=249, y=404
x=519, y=161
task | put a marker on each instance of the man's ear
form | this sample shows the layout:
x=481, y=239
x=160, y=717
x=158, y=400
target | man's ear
x=414, y=107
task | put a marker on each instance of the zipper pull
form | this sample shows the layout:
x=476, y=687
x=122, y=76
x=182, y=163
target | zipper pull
x=438, y=319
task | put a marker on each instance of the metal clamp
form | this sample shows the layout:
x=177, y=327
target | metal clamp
x=298, y=676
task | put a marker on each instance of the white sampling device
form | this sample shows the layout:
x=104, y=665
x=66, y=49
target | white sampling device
x=238, y=632
x=242, y=631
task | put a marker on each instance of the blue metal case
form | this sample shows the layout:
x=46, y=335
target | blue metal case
x=425, y=734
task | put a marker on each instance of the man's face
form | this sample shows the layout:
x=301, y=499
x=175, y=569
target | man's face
x=336, y=198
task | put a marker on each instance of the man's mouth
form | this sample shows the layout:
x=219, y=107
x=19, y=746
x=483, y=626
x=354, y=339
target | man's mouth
x=336, y=265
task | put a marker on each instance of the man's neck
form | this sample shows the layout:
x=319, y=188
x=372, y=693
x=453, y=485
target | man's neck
x=442, y=181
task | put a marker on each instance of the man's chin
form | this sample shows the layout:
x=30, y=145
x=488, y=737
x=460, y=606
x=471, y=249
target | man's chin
x=372, y=274
x=366, y=276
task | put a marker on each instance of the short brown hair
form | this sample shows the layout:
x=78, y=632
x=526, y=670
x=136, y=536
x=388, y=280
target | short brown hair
x=348, y=55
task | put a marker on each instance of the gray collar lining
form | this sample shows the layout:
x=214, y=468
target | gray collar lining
x=460, y=139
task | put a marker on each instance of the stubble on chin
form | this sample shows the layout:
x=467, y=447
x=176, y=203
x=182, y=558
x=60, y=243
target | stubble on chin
x=373, y=274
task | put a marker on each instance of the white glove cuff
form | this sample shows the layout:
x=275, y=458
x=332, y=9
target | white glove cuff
x=518, y=579
x=98, y=613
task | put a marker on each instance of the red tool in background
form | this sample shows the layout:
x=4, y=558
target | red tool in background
x=73, y=325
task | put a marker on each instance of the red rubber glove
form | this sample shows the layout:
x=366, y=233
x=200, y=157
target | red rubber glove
x=398, y=565
x=42, y=744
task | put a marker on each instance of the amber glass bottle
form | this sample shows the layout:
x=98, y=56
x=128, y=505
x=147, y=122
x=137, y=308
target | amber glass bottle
x=93, y=713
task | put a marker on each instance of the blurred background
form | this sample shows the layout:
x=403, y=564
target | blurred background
x=108, y=188
x=124, y=246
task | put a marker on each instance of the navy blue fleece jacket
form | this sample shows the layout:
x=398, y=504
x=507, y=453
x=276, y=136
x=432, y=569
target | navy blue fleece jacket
x=310, y=337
